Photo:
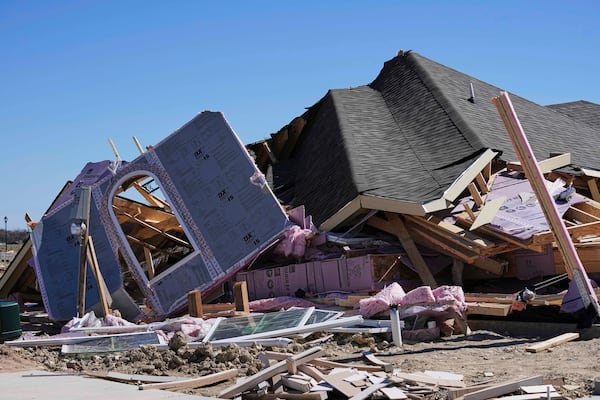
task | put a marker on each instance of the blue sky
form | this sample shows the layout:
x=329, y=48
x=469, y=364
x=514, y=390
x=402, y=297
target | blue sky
x=75, y=73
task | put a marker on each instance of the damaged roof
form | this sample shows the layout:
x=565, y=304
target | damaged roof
x=407, y=136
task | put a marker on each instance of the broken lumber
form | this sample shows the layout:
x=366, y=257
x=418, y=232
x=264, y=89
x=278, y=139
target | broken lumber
x=555, y=341
x=338, y=382
x=269, y=372
x=371, y=358
x=422, y=378
x=131, y=378
x=504, y=388
x=193, y=383
x=319, y=362
x=285, y=396
x=365, y=394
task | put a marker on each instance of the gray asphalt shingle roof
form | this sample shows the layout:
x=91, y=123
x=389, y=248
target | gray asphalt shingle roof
x=410, y=133
x=581, y=110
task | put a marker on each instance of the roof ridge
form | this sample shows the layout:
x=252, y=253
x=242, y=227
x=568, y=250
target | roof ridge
x=438, y=94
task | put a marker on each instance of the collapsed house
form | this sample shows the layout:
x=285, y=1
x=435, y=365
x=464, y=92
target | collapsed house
x=416, y=151
x=381, y=183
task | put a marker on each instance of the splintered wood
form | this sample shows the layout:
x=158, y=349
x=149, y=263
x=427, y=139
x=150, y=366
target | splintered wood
x=308, y=376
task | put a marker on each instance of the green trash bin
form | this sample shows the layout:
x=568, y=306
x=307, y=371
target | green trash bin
x=10, y=320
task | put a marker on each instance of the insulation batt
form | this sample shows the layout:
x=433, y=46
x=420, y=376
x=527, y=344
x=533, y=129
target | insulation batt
x=293, y=242
x=394, y=295
x=391, y=294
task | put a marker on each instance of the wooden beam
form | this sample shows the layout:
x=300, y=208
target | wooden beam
x=495, y=309
x=149, y=263
x=100, y=283
x=372, y=359
x=503, y=388
x=593, y=186
x=365, y=394
x=411, y=249
x=483, y=185
x=194, y=382
x=556, y=341
x=319, y=362
x=422, y=378
x=475, y=194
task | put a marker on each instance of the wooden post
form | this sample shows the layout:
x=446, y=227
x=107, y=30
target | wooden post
x=149, y=263
x=194, y=299
x=85, y=195
x=411, y=249
x=100, y=283
x=240, y=295
x=536, y=179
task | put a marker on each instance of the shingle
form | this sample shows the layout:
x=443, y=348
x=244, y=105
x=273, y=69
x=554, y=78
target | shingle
x=582, y=111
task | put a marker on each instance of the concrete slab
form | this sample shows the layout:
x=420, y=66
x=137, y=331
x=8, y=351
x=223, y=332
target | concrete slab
x=42, y=385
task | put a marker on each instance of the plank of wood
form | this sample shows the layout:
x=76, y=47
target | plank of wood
x=537, y=389
x=393, y=393
x=193, y=383
x=533, y=396
x=240, y=294
x=338, y=382
x=555, y=341
x=371, y=358
x=421, y=378
x=267, y=373
x=194, y=301
x=365, y=394
x=131, y=378
x=299, y=384
x=319, y=362
x=286, y=396
x=457, y=393
x=399, y=229
x=503, y=388
x=311, y=371
x=496, y=309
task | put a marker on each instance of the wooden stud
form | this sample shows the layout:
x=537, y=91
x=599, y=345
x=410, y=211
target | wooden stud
x=149, y=263
x=475, y=194
x=92, y=259
x=483, y=186
x=411, y=249
x=593, y=186
x=504, y=388
x=371, y=358
x=319, y=362
x=556, y=341
x=240, y=295
x=194, y=300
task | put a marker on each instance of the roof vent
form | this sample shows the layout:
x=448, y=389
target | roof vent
x=472, y=92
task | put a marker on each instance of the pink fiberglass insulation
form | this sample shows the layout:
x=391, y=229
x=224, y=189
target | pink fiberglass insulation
x=390, y=295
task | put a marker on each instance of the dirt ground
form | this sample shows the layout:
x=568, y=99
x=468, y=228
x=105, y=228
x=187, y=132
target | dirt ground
x=480, y=357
